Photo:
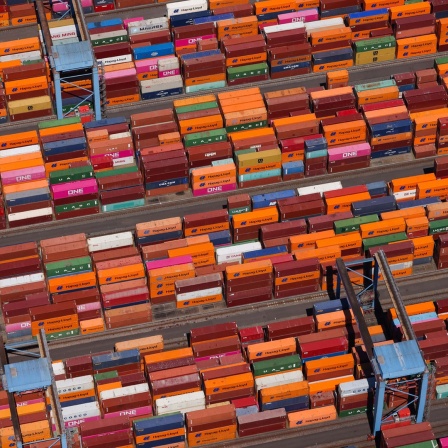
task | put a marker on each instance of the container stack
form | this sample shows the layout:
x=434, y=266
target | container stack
x=316, y=156
x=249, y=425
x=416, y=433
x=98, y=432
x=218, y=178
x=24, y=185
x=249, y=283
x=337, y=79
x=441, y=252
x=201, y=290
x=353, y=398
x=246, y=226
x=240, y=203
x=159, y=231
x=326, y=103
x=167, y=429
x=379, y=49
x=442, y=139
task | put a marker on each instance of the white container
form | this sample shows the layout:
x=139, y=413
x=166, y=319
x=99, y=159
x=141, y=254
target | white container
x=400, y=266
x=168, y=64
x=113, y=241
x=295, y=376
x=284, y=27
x=233, y=253
x=58, y=368
x=108, y=35
x=47, y=211
x=120, y=135
x=189, y=6
x=27, y=56
x=154, y=85
x=80, y=411
x=321, y=25
x=21, y=150
x=199, y=294
x=124, y=161
x=124, y=391
x=147, y=26
x=116, y=60
x=322, y=188
x=193, y=401
x=356, y=387
x=21, y=280
x=75, y=384
x=407, y=194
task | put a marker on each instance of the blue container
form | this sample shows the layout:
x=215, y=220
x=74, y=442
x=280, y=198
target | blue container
x=422, y=261
x=265, y=252
x=377, y=188
x=390, y=152
x=160, y=238
x=295, y=167
x=200, y=54
x=290, y=404
x=158, y=424
x=66, y=404
x=64, y=146
x=371, y=206
x=104, y=23
x=329, y=306
x=328, y=355
x=188, y=19
x=161, y=442
x=221, y=238
x=19, y=334
x=441, y=15
x=272, y=15
x=104, y=122
x=418, y=318
x=166, y=183
x=326, y=57
x=417, y=203
x=27, y=197
x=270, y=199
x=340, y=11
x=153, y=51
x=316, y=144
x=216, y=18
x=162, y=93
x=406, y=87
x=115, y=359
x=390, y=128
x=358, y=16
x=287, y=67
x=246, y=411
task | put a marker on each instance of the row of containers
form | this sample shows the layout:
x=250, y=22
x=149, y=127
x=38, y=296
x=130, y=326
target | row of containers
x=217, y=143
x=196, y=47
x=272, y=246
x=228, y=382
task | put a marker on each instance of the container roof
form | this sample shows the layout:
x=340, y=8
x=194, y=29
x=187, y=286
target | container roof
x=400, y=359
x=27, y=375
x=74, y=56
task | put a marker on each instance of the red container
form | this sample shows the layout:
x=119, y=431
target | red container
x=213, y=332
x=289, y=328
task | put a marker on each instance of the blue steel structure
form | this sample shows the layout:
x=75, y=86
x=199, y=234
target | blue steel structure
x=71, y=61
x=34, y=374
x=395, y=364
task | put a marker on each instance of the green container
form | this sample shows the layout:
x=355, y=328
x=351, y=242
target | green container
x=411, y=2
x=440, y=61
x=35, y=61
x=116, y=171
x=196, y=107
x=427, y=444
x=351, y=412
x=380, y=43
x=73, y=107
x=442, y=391
x=123, y=205
x=71, y=175
x=110, y=40
x=237, y=211
x=439, y=226
x=375, y=85
x=368, y=243
x=105, y=375
x=246, y=71
x=316, y=154
x=203, y=138
x=247, y=126
x=61, y=334
x=62, y=122
x=276, y=365
x=76, y=206
x=72, y=266
x=353, y=224
x=244, y=151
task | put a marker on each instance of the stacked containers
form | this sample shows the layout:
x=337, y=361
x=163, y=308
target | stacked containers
x=25, y=188
x=246, y=226
x=442, y=141
x=166, y=430
x=158, y=231
x=441, y=251
x=240, y=203
x=112, y=155
x=407, y=435
x=110, y=432
x=203, y=289
x=353, y=397
x=378, y=49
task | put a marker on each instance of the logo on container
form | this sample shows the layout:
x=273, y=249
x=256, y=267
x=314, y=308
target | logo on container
x=259, y=354
x=59, y=288
x=108, y=279
x=186, y=303
x=41, y=324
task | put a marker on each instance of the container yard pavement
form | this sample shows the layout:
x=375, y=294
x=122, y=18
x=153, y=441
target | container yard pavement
x=127, y=220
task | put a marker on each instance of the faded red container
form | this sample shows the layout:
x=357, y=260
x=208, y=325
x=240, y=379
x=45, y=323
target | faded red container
x=212, y=332
x=215, y=347
x=225, y=372
x=290, y=328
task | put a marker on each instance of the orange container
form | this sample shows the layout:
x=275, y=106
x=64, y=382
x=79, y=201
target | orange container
x=61, y=129
x=122, y=273
x=410, y=10
x=335, y=319
x=314, y=275
x=417, y=308
x=373, y=229
x=109, y=386
x=160, y=435
x=74, y=396
x=332, y=66
x=203, y=79
x=32, y=185
x=71, y=282
x=410, y=183
x=32, y=432
x=255, y=218
x=347, y=241
x=377, y=95
x=194, y=100
x=428, y=119
x=328, y=36
x=374, y=4
x=312, y=416
x=311, y=118
x=248, y=269
x=229, y=383
x=90, y=326
x=278, y=393
x=423, y=246
x=169, y=355
x=391, y=138
x=158, y=227
x=243, y=26
x=26, y=85
x=298, y=242
x=417, y=224
x=268, y=6
x=435, y=188
x=281, y=347
x=416, y=46
x=173, y=273
x=200, y=124
x=213, y=173
x=435, y=211
x=324, y=255
x=238, y=93
x=210, y=436
x=261, y=132
x=343, y=203
x=19, y=46
x=196, y=251
x=200, y=301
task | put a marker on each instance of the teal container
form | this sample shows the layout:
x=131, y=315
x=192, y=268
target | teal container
x=259, y=175
x=247, y=126
x=203, y=138
x=316, y=154
x=56, y=123
x=439, y=226
x=222, y=162
x=71, y=175
x=276, y=365
x=244, y=151
x=237, y=211
x=67, y=267
x=117, y=171
x=368, y=243
x=353, y=224
x=442, y=391
x=206, y=86
x=123, y=205
x=375, y=85
x=196, y=107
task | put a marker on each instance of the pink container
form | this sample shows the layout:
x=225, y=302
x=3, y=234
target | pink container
x=126, y=22
x=221, y=355
x=86, y=3
x=88, y=307
x=23, y=175
x=443, y=442
x=4, y=406
x=26, y=403
x=167, y=262
x=149, y=65
x=191, y=40
x=95, y=436
x=307, y=15
x=349, y=152
x=143, y=291
x=167, y=73
x=120, y=73
x=60, y=7
x=10, y=328
x=113, y=155
x=145, y=410
x=213, y=190
x=75, y=423
x=282, y=259
x=72, y=189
